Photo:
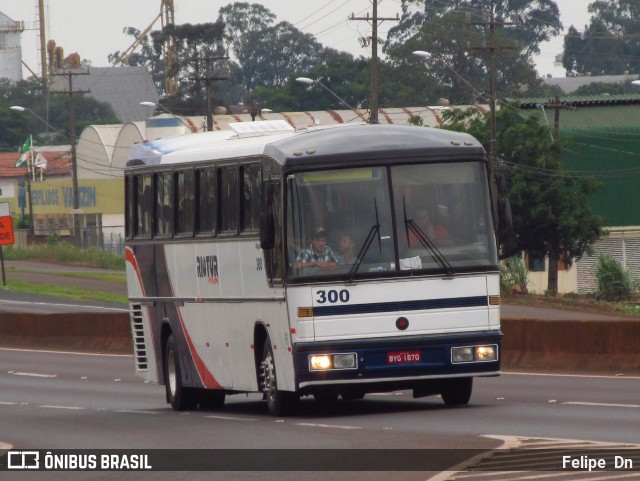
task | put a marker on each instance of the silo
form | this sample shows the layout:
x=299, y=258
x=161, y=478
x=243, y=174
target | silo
x=10, y=50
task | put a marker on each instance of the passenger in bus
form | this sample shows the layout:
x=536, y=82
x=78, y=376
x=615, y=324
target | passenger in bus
x=318, y=254
x=436, y=232
x=345, y=249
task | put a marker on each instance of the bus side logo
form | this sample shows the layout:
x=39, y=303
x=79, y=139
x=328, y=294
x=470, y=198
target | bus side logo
x=207, y=266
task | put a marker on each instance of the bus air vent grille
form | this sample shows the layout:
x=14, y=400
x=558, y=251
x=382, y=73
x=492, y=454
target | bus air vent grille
x=137, y=330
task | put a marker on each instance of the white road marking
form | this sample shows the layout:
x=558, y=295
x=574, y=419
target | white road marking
x=32, y=374
x=78, y=306
x=231, y=418
x=334, y=426
x=608, y=405
x=589, y=376
x=46, y=351
x=132, y=411
x=7, y=403
x=71, y=408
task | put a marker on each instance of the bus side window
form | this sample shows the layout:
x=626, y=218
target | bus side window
x=128, y=208
x=205, y=201
x=184, y=202
x=228, y=200
x=274, y=256
x=143, y=205
x=251, y=197
x=164, y=206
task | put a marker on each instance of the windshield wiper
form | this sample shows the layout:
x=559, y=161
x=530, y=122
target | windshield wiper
x=375, y=229
x=426, y=241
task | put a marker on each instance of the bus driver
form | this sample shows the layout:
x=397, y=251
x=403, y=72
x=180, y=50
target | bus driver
x=318, y=254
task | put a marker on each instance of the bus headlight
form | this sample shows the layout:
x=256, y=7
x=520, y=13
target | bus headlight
x=325, y=362
x=474, y=354
x=344, y=361
x=319, y=362
x=461, y=354
x=486, y=353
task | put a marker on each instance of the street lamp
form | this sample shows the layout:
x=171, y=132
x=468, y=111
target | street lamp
x=166, y=110
x=74, y=172
x=19, y=108
x=308, y=81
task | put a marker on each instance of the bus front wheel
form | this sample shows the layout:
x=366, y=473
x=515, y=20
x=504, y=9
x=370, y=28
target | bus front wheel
x=280, y=403
x=457, y=391
x=181, y=398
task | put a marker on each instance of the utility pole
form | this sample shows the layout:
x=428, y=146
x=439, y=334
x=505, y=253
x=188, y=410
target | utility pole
x=69, y=73
x=557, y=105
x=43, y=42
x=373, y=20
x=208, y=80
x=554, y=258
x=491, y=48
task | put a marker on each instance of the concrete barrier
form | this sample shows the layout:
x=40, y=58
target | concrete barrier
x=605, y=345
x=528, y=343
x=97, y=332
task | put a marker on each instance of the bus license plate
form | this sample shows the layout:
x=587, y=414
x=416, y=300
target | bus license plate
x=403, y=356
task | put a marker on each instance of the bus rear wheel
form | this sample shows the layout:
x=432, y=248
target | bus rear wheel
x=457, y=392
x=280, y=403
x=181, y=398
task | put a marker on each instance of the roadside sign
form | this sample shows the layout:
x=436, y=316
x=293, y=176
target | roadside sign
x=6, y=225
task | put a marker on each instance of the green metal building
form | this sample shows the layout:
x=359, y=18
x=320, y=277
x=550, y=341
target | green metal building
x=604, y=142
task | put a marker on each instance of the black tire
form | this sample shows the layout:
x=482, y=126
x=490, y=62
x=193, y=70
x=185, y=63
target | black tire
x=280, y=403
x=211, y=399
x=181, y=398
x=457, y=392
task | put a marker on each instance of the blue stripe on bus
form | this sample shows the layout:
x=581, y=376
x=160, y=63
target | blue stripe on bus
x=416, y=305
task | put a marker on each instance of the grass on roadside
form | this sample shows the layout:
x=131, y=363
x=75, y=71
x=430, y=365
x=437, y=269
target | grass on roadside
x=574, y=302
x=64, y=253
x=67, y=292
x=115, y=277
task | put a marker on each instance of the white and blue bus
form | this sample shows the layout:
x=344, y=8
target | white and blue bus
x=219, y=225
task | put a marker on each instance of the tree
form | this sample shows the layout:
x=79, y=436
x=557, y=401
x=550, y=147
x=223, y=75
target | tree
x=551, y=216
x=601, y=88
x=267, y=53
x=241, y=18
x=609, y=43
x=449, y=30
x=193, y=44
x=275, y=53
x=32, y=94
x=146, y=56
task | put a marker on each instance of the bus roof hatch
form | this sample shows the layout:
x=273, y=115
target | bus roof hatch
x=263, y=127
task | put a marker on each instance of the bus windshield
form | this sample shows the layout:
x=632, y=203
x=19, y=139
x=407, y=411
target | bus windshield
x=349, y=223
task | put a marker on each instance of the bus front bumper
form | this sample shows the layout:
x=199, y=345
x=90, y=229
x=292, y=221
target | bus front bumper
x=396, y=363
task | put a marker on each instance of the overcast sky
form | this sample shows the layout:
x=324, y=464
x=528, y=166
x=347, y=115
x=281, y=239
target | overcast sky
x=93, y=28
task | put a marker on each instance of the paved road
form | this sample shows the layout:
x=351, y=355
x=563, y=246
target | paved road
x=71, y=401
